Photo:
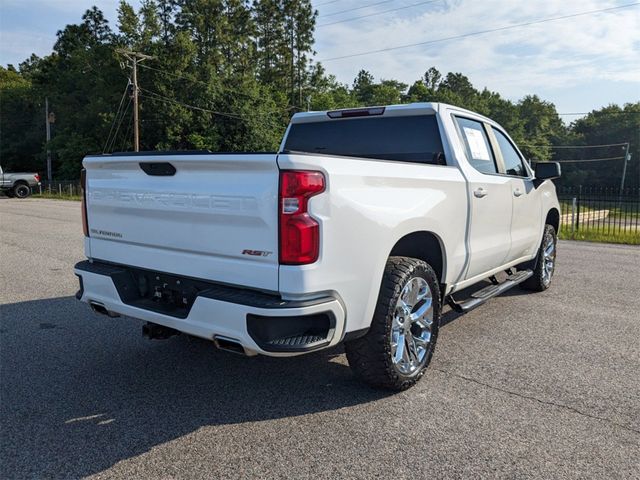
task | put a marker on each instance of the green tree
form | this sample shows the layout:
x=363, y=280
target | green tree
x=228, y=74
x=609, y=125
x=325, y=93
x=79, y=80
x=541, y=127
x=363, y=87
x=284, y=34
x=22, y=130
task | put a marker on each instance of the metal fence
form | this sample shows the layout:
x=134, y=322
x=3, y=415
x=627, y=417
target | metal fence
x=60, y=188
x=602, y=211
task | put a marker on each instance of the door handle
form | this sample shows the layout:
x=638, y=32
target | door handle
x=480, y=192
x=517, y=192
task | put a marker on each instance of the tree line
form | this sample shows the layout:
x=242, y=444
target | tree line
x=226, y=75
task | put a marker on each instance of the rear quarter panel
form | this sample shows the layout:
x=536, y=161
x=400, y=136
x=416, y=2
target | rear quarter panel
x=368, y=205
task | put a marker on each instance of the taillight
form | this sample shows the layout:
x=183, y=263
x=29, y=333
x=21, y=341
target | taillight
x=83, y=203
x=37, y=177
x=299, y=232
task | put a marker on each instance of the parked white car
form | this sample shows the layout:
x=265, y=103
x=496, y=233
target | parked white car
x=357, y=230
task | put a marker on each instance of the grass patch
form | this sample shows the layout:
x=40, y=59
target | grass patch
x=627, y=210
x=566, y=205
x=57, y=196
x=596, y=235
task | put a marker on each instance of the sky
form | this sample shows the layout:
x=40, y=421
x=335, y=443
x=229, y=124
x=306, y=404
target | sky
x=579, y=63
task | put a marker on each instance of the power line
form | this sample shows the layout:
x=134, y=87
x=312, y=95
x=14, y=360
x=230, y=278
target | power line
x=177, y=102
x=195, y=80
x=357, y=8
x=376, y=13
x=112, y=142
x=600, y=113
x=126, y=135
x=576, y=146
x=481, y=32
x=202, y=82
x=327, y=3
x=115, y=134
x=590, y=160
x=115, y=118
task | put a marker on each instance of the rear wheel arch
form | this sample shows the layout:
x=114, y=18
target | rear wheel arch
x=398, y=346
x=425, y=246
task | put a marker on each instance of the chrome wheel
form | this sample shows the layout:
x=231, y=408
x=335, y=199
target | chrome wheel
x=548, y=258
x=412, y=327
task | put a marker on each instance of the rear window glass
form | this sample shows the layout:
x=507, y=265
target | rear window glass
x=408, y=139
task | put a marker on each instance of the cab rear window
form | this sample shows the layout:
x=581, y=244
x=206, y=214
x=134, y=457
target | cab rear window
x=407, y=139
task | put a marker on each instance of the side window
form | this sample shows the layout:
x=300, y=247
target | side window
x=512, y=160
x=477, y=145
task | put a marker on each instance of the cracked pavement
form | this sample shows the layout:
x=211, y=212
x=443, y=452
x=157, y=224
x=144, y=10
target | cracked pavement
x=527, y=386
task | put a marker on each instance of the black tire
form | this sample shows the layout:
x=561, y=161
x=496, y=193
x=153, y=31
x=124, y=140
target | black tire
x=21, y=191
x=541, y=280
x=370, y=356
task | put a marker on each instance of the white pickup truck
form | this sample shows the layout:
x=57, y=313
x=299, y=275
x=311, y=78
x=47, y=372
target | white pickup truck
x=357, y=230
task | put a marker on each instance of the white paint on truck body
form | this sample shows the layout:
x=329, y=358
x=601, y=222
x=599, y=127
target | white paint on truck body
x=195, y=223
x=198, y=222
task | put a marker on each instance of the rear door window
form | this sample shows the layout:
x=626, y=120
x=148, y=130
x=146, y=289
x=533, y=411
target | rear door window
x=476, y=142
x=408, y=138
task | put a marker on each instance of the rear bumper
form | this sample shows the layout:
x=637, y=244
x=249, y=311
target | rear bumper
x=253, y=319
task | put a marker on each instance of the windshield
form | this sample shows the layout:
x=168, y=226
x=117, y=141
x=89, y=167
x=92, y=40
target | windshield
x=408, y=138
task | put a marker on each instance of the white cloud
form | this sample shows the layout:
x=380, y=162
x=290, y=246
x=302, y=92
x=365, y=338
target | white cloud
x=558, y=59
x=557, y=54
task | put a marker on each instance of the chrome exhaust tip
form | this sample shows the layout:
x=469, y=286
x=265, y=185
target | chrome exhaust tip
x=229, y=345
x=102, y=310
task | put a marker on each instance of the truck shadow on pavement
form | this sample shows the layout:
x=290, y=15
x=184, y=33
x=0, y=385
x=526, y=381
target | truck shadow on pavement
x=81, y=392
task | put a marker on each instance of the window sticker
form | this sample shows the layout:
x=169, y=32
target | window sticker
x=476, y=142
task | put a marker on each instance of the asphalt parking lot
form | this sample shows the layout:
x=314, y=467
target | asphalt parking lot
x=527, y=386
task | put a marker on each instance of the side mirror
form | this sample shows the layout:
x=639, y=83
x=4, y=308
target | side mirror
x=546, y=171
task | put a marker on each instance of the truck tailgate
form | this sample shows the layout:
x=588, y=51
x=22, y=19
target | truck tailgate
x=215, y=218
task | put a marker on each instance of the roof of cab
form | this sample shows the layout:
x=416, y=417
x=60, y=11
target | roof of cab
x=425, y=108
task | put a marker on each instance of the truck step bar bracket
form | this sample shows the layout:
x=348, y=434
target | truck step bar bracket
x=490, y=291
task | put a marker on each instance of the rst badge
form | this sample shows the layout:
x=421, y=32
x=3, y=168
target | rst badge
x=256, y=253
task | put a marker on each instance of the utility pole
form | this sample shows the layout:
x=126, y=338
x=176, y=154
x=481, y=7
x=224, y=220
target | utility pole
x=134, y=58
x=48, y=122
x=136, y=130
x=627, y=158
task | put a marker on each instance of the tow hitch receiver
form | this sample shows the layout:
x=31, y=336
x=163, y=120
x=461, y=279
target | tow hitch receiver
x=153, y=331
